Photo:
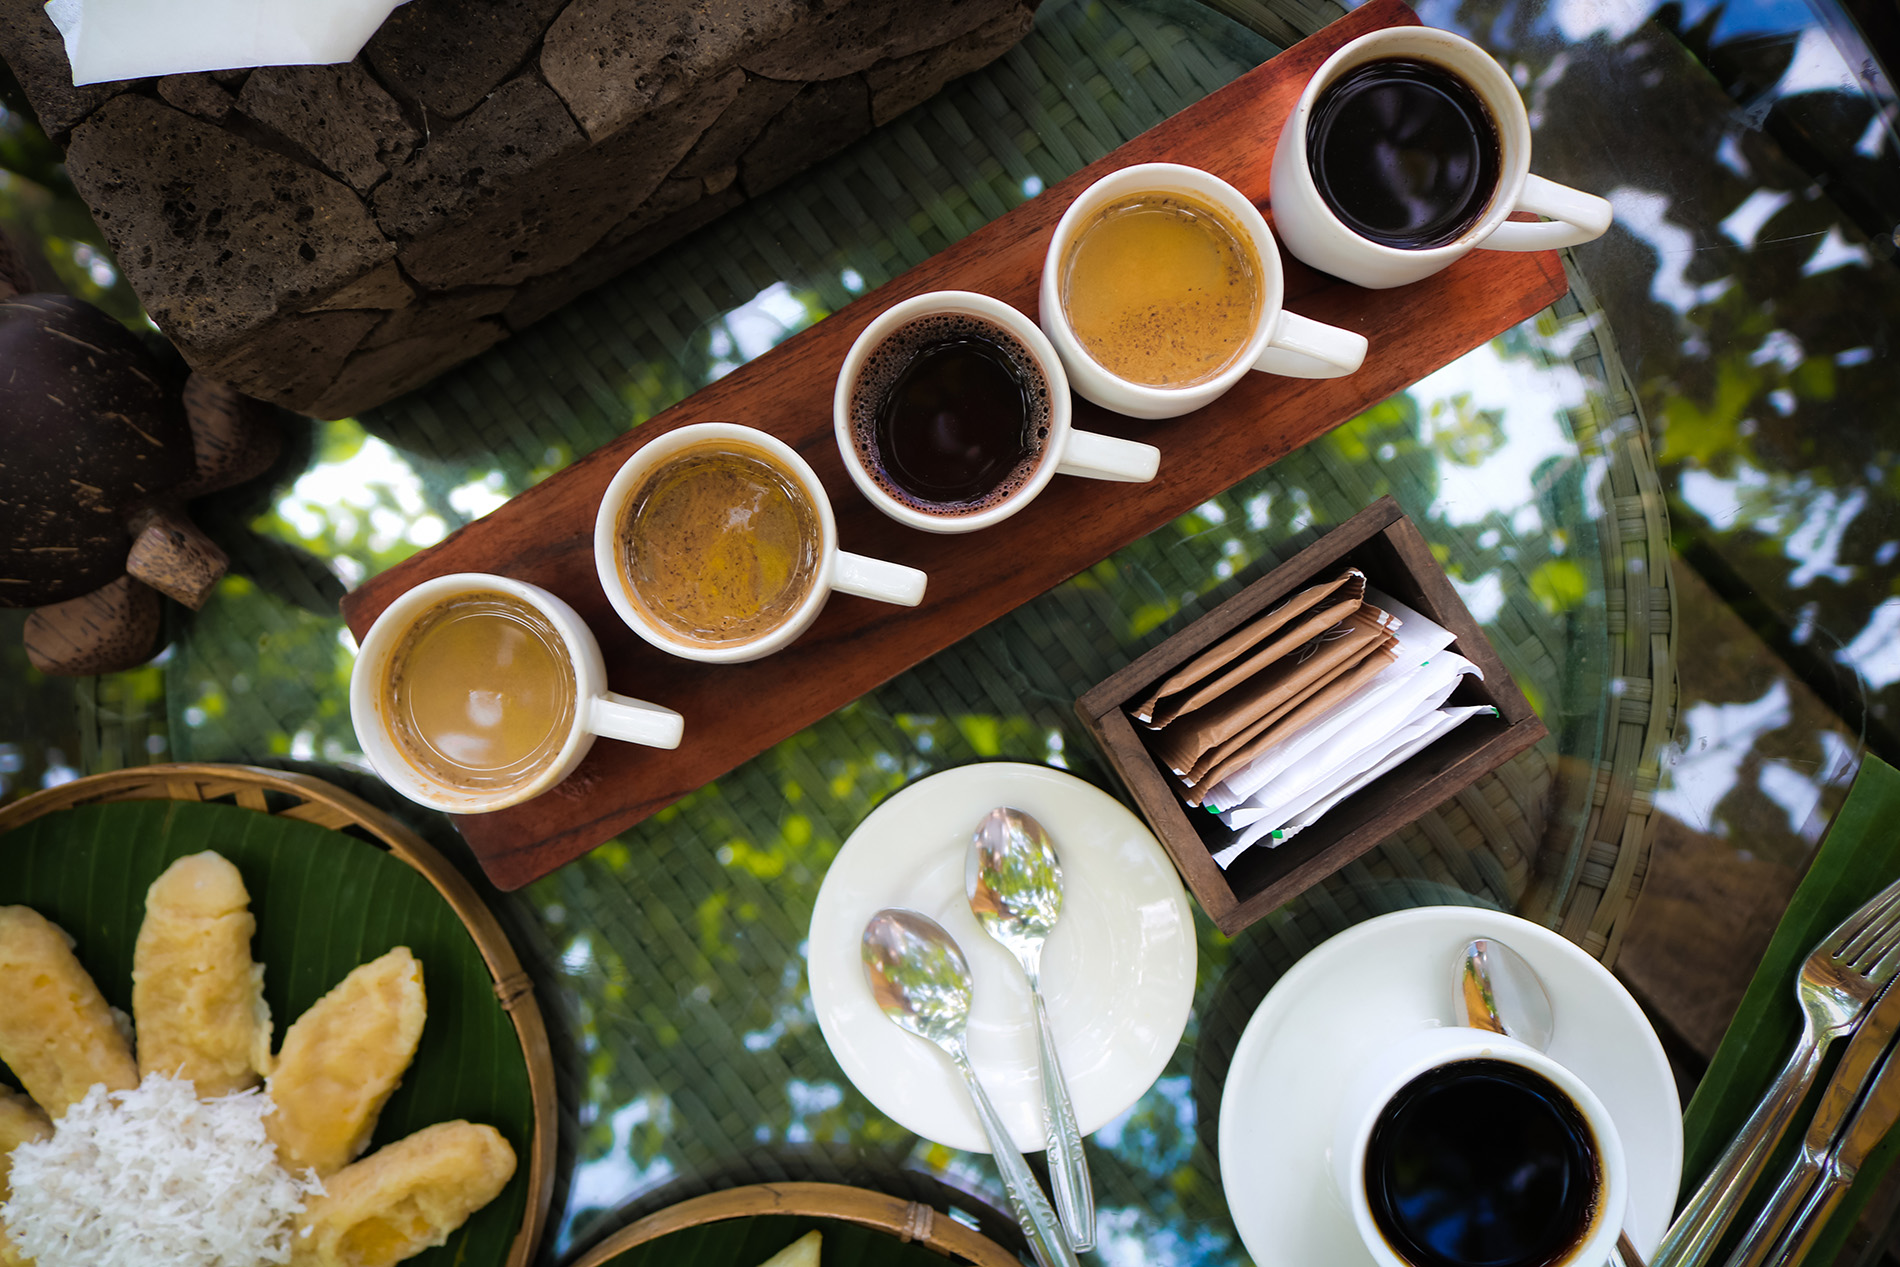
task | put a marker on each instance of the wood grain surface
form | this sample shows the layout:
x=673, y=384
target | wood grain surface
x=734, y=712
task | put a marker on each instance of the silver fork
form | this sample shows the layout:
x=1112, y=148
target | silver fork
x=1841, y=978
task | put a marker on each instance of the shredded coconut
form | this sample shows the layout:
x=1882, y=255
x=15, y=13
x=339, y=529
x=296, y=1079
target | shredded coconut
x=155, y=1177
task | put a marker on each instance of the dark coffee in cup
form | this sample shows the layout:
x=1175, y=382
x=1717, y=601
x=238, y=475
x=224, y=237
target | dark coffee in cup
x=1482, y=1163
x=950, y=414
x=1404, y=152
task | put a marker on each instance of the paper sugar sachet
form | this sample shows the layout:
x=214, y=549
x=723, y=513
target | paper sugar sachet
x=1401, y=748
x=1218, y=762
x=1320, y=764
x=1297, y=673
x=1339, y=596
x=1419, y=640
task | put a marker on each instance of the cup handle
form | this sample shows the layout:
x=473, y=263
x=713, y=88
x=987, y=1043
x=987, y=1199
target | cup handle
x=634, y=720
x=874, y=578
x=1100, y=457
x=1305, y=348
x=1575, y=218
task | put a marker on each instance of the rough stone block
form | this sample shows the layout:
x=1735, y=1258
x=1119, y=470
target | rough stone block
x=548, y=223
x=732, y=133
x=376, y=374
x=31, y=45
x=446, y=55
x=384, y=288
x=326, y=237
x=336, y=114
x=861, y=33
x=197, y=94
x=823, y=117
x=517, y=132
x=682, y=206
x=217, y=235
x=613, y=60
x=898, y=85
x=295, y=357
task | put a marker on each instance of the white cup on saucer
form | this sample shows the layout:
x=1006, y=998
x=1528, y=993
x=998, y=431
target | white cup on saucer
x=1063, y=450
x=1392, y=1069
x=1282, y=342
x=1313, y=233
x=834, y=569
x=595, y=710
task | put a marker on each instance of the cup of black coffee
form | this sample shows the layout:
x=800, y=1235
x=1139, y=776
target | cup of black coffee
x=952, y=412
x=1463, y=1148
x=1408, y=148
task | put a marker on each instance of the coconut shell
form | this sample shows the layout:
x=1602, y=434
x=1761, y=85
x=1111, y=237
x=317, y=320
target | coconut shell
x=88, y=434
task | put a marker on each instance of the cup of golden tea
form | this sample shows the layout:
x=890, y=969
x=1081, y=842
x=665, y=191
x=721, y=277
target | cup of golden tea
x=1407, y=149
x=716, y=542
x=1162, y=288
x=474, y=692
x=952, y=412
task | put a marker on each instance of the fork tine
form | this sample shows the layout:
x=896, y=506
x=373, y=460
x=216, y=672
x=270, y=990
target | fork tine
x=1886, y=968
x=1869, y=921
x=1877, y=952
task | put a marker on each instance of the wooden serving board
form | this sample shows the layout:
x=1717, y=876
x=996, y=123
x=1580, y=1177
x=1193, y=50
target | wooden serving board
x=734, y=712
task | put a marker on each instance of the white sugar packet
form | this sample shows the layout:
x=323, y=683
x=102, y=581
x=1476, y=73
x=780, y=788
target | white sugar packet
x=1325, y=765
x=1419, y=641
x=1418, y=737
x=133, y=39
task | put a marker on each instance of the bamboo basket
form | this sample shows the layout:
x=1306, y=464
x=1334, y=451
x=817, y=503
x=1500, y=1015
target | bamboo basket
x=312, y=800
x=906, y=1220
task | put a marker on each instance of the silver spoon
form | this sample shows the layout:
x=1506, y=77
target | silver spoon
x=1015, y=886
x=920, y=980
x=1498, y=991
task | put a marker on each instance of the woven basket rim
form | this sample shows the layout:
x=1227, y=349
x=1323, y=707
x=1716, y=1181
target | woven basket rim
x=327, y=805
x=907, y=1220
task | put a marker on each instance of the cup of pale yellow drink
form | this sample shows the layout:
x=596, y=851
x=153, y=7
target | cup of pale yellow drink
x=1162, y=289
x=474, y=692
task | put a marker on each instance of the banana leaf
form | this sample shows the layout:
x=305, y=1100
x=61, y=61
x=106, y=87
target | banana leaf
x=750, y=1241
x=324, y=902
x=1859, y=857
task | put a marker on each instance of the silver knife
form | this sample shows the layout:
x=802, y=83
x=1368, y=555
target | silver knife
x=1871, y=1121
x=1831, y=1122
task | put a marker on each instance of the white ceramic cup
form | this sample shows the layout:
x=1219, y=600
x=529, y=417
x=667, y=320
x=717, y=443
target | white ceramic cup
x=597, y=710
x=1065, y=450
x=1385, y=1074
x=1283, y=342
x=1318, y=237
x=837, y=569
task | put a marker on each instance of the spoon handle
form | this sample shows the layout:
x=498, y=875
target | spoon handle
x=1068, y=1168
x=1033, y=1212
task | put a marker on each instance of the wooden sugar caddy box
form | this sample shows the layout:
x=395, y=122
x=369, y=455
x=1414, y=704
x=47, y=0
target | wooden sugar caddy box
x=1381, y=542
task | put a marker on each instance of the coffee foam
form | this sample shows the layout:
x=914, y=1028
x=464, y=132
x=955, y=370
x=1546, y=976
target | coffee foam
x=878, y=374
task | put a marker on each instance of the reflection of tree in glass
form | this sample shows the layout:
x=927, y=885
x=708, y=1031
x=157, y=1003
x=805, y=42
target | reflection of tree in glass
x=1755, y=315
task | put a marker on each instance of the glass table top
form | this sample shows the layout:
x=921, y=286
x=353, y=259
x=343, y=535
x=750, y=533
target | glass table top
x=1740, y=314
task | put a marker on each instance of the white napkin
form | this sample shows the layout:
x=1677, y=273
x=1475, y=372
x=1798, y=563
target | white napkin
x=131, y=39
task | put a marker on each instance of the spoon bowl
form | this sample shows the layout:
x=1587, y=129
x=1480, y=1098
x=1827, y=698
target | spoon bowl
x=920, y=979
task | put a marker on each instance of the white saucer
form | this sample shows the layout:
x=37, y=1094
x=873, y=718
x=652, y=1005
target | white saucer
x=1378, y=981
x=1117, y=971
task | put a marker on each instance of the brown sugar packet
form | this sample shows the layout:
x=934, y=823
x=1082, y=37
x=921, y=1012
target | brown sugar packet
x=1350, y=583
x=1297, y=713
x=1331, y=686
x=1245, y=751
x=1303, y=631
x=1182, y=743
x=1293, y=712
